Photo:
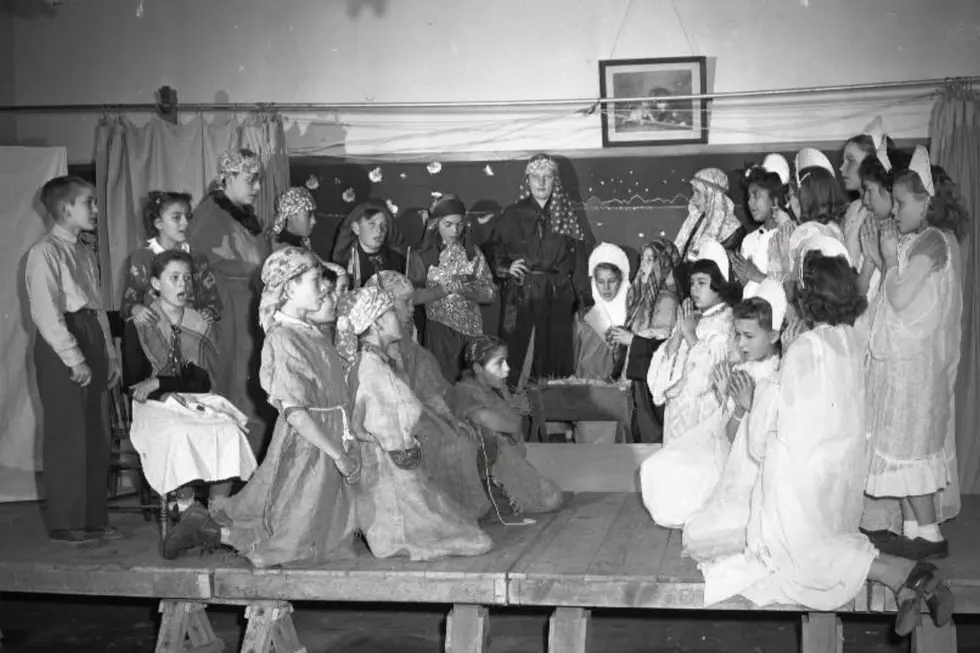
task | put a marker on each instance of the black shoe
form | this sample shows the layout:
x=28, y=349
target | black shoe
x=920, y=549
x=923, y=581
x=68, y=536
x=195, y=528
x=883, y=536
x=896, y=545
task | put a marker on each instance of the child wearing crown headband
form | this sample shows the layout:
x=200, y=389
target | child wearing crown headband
x=166, y=219
x=749, y=393
x=694, y=450
x=914, y=353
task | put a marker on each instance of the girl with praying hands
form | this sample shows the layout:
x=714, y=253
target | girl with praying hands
x=297, y=508
x=677, y=480
x=399, y=510
x=758, y=256
x=166, y=219
x=914, y=353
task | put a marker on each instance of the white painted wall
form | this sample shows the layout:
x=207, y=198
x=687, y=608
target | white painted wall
x=100, y=51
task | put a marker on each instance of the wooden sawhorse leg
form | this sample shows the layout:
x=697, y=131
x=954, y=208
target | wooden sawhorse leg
x=568, y=630
x=270, y=628
x=185, y=628
x=468, y=629
x=927, y=638
x=822, y=633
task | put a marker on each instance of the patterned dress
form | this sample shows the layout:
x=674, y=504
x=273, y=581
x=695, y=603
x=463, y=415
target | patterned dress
x=297, y=507
x=400, y=511
x=138, y=291
x=914, y=354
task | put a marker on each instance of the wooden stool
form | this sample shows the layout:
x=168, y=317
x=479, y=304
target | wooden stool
x=270, y=628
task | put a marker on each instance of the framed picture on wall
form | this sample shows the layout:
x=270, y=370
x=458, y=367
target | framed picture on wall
x=650, y=115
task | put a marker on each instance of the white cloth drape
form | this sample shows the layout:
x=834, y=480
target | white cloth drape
x=23, y=170
x=131, y=160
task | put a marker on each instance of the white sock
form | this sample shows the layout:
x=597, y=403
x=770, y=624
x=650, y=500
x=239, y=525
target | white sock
x=930, y=532
x=910, y=529
x=183, y=503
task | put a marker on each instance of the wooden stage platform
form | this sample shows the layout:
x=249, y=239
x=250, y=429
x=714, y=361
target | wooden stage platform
x=601, y=551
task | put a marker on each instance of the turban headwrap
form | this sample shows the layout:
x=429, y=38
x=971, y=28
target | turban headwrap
x=357, y=311
x=291, y=202
x=281, y=266
x=236, y=162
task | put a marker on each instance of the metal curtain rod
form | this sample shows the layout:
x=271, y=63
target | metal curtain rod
x=588, y=101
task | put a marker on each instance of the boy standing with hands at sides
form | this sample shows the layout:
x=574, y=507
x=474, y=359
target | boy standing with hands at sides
x=76, y=364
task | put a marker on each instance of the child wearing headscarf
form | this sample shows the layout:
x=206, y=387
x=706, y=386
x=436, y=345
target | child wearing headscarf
x=296, y=508
x=597, y=356
x=539, y=250
x=399, y=510
x=710, y=213
x=226, y=230
x=651, y=312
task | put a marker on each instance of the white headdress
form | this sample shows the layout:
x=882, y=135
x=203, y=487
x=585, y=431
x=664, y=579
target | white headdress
x=772, y=291
x=711, y=250
x=876, y=130
x=922, y=166
x=810, y=157
x=777, y=164
x=616, y=307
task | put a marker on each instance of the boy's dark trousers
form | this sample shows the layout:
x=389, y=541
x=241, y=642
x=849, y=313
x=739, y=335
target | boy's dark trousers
x=76, y=445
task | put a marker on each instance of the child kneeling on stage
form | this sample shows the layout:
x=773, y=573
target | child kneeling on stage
x=297, y=507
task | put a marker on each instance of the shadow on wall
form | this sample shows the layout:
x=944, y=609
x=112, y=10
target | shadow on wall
x=377, y=7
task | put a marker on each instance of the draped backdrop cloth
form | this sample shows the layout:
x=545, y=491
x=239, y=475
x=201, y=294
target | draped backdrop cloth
x=955, y=143
x=23, y=170
x=131, y=160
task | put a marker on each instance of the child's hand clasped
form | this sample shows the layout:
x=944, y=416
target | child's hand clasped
x=888, y=239
x=743, y=389
x=687, y=320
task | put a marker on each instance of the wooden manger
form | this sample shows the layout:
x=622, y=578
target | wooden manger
x=601, y=551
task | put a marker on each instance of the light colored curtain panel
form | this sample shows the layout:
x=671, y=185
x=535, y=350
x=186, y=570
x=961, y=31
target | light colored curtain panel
x=263, y=133
x=955, y=145
x=23, y=170
x=132, y=160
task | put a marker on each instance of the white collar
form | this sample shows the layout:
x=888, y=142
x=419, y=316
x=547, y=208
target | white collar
x=157, y=248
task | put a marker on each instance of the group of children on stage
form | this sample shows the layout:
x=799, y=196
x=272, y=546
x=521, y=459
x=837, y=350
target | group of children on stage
x=805, y=372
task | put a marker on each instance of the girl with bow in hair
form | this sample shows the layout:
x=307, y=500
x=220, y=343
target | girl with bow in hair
x=166, y=219
x=399, y=510
x=296, y=508
x=914, y=353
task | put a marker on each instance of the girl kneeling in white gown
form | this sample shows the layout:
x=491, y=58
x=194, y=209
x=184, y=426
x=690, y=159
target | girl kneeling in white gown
x=677, y=480
x=803, y=546
x=750, y=393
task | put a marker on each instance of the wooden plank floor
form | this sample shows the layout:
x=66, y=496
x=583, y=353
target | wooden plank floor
x=602, y=550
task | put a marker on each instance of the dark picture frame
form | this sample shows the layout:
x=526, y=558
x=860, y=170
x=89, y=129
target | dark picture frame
x=656, y=120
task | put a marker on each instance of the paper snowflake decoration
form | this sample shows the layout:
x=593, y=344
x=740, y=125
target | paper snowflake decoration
x=403, y=175
x=436, y=194
x=312, y=183
x=487, y=170
x=349, y=195
x=375, y=176
x=434, y=168
x=392, y=207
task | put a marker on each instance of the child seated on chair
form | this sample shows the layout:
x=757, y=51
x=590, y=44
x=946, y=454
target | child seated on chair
x=171, y=348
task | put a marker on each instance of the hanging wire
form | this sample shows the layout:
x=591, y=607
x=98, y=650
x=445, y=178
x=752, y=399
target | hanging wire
x=381, y=106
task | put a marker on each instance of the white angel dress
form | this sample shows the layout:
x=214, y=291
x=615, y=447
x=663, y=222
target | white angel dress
x=677, y=480
x=803, y=546
x=719, y=527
